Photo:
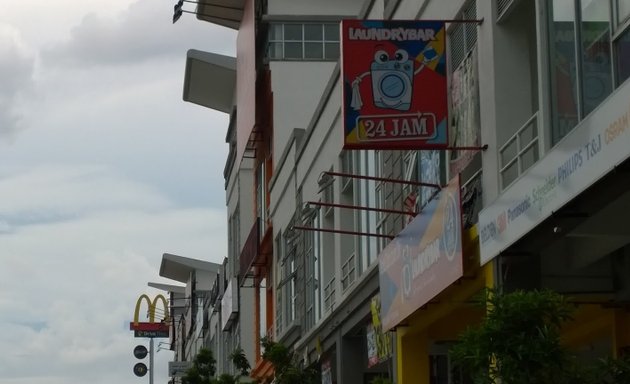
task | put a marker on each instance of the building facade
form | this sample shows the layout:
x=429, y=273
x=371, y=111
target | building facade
x=539, y=84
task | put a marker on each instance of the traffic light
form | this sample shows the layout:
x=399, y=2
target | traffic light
x=140, y=352
x=177, y=11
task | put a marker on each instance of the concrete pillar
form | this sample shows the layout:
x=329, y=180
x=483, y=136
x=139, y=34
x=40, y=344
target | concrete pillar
x=412, y=358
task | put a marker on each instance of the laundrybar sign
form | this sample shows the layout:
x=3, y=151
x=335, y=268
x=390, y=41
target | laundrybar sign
x=585, y=155
x=424, y=259
x=152, y=328
x=394, y=84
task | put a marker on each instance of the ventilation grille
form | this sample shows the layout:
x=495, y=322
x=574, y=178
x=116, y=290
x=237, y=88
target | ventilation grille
x=463, y=36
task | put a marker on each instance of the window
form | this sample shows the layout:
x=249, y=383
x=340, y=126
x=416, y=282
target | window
x=261, y=198
x=308, y=41
x=234, y=238
x=580, y=54
x=313, y=254
x=622, y=40
x=517, y=137
x=366, y=196
x=623, y=10
x=286, y=294
x=279, y=292
x=262, y=305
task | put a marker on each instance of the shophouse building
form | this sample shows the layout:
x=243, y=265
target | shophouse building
x=199, y=312
x=529, y=193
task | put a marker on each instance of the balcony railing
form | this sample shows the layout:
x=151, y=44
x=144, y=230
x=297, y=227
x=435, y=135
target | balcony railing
x=329, y=295
x=520, y=152
x=348, y=272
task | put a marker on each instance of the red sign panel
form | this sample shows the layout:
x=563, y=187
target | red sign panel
x=394, y=84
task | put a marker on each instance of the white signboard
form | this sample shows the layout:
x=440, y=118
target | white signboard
x=585, y=155
x=178, y=368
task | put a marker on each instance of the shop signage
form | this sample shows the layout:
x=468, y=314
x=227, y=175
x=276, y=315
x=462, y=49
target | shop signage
x=152, y=328
x=178, y=368
x=424, y=259
x=394, y=84
x=585, y=155
x=378, y=342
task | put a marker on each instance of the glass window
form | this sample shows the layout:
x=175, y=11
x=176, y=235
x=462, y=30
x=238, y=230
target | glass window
x=622, y=51
x=293, y=50
x=313, y=32
x=310, y=41
x=275, y=32
x=262, y=308
x=275, y=51
x=623, y=10
x=596, y=60
x=331, y=51
x=313, y=50
x=293, y=32
x=563, y=69
x=331, y=32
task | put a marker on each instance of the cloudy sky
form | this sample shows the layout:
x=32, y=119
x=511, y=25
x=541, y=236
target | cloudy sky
x=103, y=168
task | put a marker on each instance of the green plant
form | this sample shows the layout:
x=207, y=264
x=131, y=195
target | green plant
x=519, y=340
x=287, y=369
x=240, y=361
x=204, y=368
x=381, y=380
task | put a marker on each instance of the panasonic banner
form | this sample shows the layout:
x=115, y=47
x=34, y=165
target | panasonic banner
x=394, y=84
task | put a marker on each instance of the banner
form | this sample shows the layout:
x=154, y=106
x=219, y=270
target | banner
x=379, y=343
x=394, y=84
x=150, y=328
x=424, y=259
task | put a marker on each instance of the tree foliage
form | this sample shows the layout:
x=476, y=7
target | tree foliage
x=287, y=369
x=519, y=343
x=203, y=369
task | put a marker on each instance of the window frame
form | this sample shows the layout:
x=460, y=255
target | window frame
x=282, y=42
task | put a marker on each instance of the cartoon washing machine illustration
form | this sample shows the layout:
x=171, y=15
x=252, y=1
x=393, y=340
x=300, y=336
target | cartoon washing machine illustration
x=392, y=79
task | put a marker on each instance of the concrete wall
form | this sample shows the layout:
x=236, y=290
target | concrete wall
x=294, y=109
x=319, y=8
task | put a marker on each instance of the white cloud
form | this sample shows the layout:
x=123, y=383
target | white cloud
x=113, y=170
x=142, y=32
x=69, y=288
x=17, y=67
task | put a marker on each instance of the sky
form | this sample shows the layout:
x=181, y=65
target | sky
x=103, y=168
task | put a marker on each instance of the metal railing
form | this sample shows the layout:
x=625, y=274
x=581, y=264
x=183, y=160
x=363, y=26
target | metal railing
x=348, y=272
x=513, y=154
x=329, y=295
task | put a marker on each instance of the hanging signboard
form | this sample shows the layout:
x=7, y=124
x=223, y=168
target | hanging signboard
x=424, y=259
x=394, y=84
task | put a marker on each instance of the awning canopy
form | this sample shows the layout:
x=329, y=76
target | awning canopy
x=178, y=268
x=210, y=80
x=227, y=13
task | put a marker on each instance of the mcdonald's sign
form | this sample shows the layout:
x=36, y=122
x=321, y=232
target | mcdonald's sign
x=150, y=328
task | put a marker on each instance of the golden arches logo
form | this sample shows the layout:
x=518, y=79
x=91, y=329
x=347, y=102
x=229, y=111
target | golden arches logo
x=152, y=306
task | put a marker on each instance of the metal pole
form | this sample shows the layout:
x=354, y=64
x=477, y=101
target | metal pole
x=151, y=361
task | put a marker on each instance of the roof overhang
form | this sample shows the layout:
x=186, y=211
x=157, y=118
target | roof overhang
x=227, y=13
x=210, y=80
x=168, y=287
x=179, y=268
